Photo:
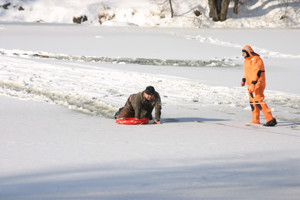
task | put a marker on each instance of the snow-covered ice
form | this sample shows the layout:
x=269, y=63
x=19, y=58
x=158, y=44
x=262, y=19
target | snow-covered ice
x=60, y=85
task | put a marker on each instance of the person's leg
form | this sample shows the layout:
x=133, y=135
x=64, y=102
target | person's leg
x=127, y=111
x=255, y=109
x=118, y=113
x=259, y=100
x=255, y=113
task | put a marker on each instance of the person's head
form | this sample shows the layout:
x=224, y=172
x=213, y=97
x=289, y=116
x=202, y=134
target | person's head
x=248, y=52
x=149, y=92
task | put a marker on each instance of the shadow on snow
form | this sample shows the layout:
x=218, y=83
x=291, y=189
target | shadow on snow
x=219, y=178
x=189, y=119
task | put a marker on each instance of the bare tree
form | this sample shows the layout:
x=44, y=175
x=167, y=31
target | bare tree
x=218, y=9
x=224, y=10
x=213, y=10
x=236, y=7
x=171, y=7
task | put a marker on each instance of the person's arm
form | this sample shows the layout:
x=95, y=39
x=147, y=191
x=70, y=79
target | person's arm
x=157, y=110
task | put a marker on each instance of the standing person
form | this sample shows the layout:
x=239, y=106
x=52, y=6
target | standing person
x=140, y=105
x=254, y=78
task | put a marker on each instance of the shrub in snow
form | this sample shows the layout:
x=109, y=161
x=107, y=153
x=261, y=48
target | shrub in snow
x=79, y=20
x=6, y=6
x=104, y=15
x=197, y=13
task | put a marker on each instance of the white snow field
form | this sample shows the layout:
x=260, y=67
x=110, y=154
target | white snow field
x=60, y=85
x=203, y=150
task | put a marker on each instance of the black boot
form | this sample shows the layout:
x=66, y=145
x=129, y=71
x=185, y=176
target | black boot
x=118, y=113
x=273, y=122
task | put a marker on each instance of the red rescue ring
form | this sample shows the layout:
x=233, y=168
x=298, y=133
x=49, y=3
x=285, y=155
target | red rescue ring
x=132, y=121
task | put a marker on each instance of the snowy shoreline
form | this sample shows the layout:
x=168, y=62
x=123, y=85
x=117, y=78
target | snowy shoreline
x=152, y=13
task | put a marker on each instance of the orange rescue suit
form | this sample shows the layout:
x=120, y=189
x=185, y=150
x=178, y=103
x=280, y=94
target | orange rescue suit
x=254, y=77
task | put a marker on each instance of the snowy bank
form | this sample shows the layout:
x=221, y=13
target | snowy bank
x=252, y=14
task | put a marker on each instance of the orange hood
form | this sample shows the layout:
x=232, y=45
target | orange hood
x=249, y=50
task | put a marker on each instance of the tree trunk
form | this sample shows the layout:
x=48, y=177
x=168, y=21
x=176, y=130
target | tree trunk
x=236, y=7
x=224, y=10
x=218, y=6
x=213, y=10
x=172, y=13
x=218, y=11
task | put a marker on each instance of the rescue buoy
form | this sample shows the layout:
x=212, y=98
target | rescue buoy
x=132, y=121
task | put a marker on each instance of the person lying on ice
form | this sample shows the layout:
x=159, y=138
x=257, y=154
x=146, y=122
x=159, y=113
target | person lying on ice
x=140, y=105
x=254, y=78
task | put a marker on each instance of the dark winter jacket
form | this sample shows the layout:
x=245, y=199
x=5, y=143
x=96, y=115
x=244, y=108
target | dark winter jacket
x=141, y=107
